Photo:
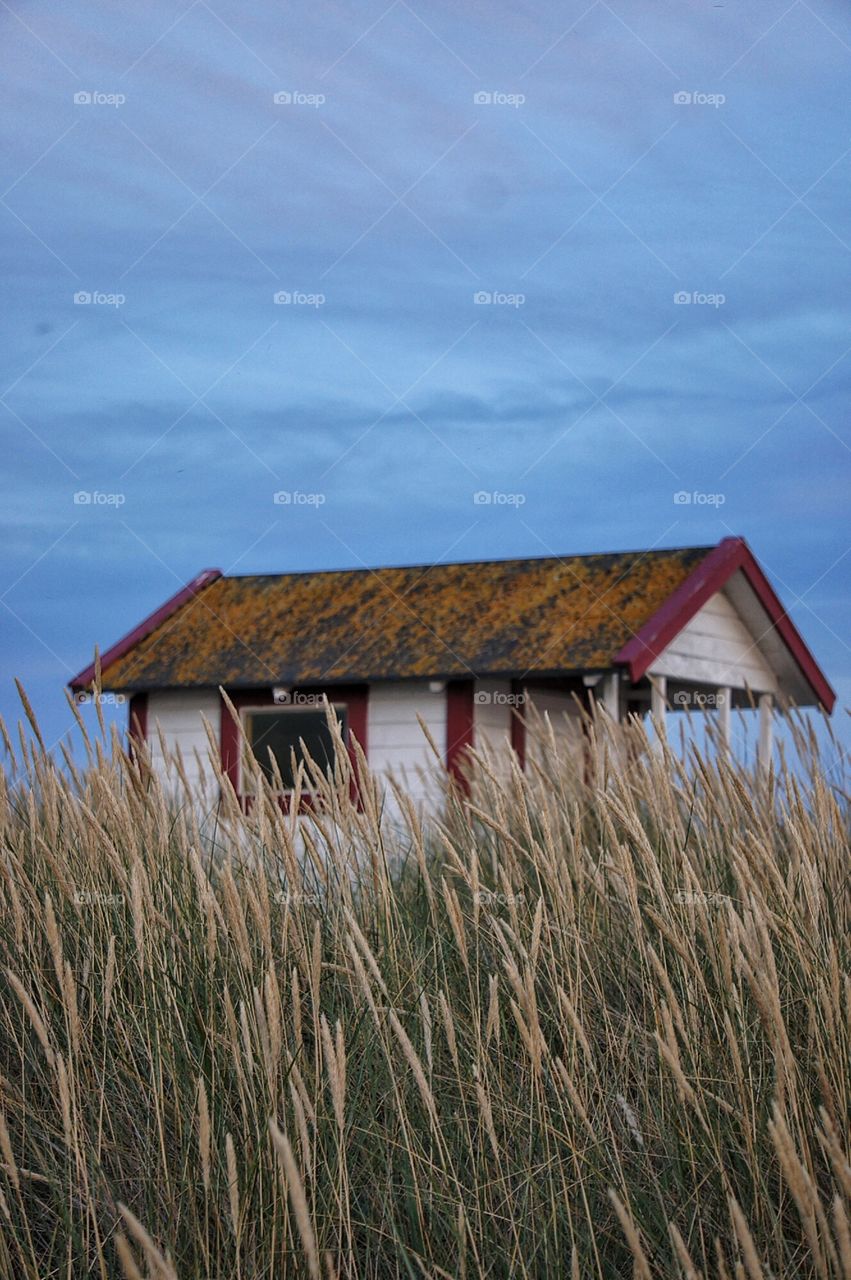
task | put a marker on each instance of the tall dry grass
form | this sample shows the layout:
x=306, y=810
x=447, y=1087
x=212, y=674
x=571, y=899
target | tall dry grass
x=564, y=1030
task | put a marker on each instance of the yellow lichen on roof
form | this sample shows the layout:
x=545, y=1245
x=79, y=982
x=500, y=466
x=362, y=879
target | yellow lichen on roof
x=511, y=617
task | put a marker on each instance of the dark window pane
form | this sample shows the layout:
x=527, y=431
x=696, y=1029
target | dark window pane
x=280, y=731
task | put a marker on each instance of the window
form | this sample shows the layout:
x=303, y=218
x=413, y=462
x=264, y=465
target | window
x=264, y=723
x=281, y=731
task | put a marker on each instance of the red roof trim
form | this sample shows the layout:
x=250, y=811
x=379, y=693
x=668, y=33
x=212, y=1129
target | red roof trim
x=710, y=576
x=84, y=679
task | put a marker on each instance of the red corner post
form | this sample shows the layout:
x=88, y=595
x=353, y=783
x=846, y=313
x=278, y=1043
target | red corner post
x=137, y=718
x=137, y=725
x=518, y=723
x=459, y=728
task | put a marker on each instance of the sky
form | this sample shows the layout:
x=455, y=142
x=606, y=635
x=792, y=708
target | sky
x=316, y=286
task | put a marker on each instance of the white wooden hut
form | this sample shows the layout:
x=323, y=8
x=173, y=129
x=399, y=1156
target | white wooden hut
x=466, y=647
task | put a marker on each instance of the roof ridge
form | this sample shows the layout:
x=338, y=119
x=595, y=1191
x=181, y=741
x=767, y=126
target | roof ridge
x=455, y=564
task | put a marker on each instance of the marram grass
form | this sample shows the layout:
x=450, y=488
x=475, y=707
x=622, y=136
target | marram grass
x=571, y=1028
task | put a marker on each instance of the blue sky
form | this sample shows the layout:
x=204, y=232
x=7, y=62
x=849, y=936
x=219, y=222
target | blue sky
x=577, y=194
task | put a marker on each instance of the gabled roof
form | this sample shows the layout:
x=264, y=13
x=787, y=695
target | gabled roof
x=545, y=616
x=732, y=560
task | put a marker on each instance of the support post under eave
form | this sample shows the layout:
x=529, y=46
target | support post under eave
x=605, y=697
x=610, y=694
x=658, y=701
x=723, y=703
x=766, y=732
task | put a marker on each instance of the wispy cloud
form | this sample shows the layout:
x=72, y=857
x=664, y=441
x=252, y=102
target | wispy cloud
x=376, y=198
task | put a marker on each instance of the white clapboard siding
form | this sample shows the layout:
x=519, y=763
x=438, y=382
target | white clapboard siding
x=179, y=715
x=396, y=743
x=717, y=648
